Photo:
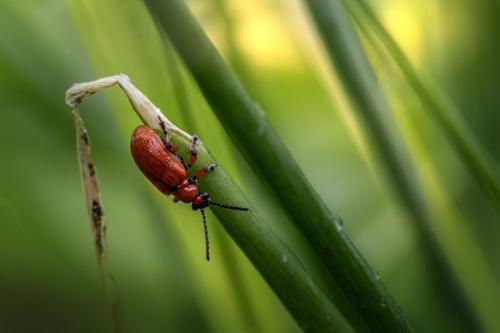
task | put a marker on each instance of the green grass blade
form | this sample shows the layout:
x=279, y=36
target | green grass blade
x=463, y=250
x=481, y=166
x=346, y=54
x=249, y=290
x=279, y=266
x=247, y=126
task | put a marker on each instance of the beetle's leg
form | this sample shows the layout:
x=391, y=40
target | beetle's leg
x=179, y=157
x=205, y=171
x=166, y=134
x=166, y=137
x=202, y=173
x=192, y=150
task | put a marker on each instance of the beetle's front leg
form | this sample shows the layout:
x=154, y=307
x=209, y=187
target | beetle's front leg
x=202, y=173
x=205, y=171
x=192, y=150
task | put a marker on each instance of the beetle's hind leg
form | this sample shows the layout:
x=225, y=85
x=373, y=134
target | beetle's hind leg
x=166, y=137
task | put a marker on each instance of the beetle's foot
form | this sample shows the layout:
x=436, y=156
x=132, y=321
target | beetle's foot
x=192, y=150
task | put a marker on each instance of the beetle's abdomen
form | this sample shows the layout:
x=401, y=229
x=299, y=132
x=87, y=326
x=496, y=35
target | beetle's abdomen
x=159, y=165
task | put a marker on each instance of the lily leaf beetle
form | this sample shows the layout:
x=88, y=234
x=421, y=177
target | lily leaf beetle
x=159, y=161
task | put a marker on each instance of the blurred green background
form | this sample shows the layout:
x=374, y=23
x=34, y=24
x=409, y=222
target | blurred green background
x=49, y=279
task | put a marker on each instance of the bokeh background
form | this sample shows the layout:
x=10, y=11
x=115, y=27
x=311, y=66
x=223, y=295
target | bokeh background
x=49, y=279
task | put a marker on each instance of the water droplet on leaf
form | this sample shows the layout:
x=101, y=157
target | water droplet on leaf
x=339, y=224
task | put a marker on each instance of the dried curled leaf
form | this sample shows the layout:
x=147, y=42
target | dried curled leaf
x=91, y=188
x=95, y=210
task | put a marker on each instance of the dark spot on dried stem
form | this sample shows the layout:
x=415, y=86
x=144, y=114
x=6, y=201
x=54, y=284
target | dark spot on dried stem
x=84, y=137
x=91, y=169
x=99, y=243
x=96, y=211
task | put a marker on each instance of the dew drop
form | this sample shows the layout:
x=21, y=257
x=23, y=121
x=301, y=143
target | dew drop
x=260, y=109
x=284, y=258
x=261, y=129
x=339, y=224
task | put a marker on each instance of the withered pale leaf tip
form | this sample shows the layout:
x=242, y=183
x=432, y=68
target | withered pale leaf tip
x=144, y=108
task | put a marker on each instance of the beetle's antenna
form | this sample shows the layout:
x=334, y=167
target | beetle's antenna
x=229, y=206
x=205, y=226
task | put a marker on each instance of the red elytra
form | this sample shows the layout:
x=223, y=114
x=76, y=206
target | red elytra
x=165, y=168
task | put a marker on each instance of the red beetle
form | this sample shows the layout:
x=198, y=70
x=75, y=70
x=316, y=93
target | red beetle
x=158, y=160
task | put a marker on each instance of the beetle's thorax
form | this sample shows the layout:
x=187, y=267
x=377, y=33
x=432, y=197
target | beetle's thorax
x=187, y=191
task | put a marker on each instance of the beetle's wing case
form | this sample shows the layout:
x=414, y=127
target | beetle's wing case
x=159, y=165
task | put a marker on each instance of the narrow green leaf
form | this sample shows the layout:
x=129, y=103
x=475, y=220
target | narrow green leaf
x=482, y=168
x=346, y=54
x=247, y=126
x=459, y=242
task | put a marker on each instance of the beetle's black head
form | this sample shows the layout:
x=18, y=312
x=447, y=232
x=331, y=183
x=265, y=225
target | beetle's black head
x=202, y=200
